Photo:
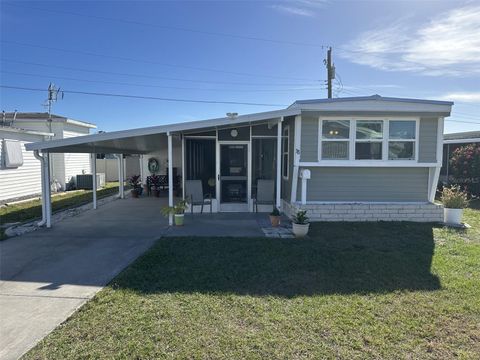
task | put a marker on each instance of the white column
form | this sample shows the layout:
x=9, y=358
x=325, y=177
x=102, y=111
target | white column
x=170, y=177
x=183, y=167
x=279, y=164
x=42, y=180
x=94, y=179
x=304, y=191
x=121, y=179
x=296, y=158
x=48, y=200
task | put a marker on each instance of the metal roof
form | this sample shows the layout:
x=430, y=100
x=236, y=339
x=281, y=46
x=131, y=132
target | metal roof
x=131, y=137
x=369, y=98
x=24, y=131
x=141, y=140
x=42, y=116
x=462, y=137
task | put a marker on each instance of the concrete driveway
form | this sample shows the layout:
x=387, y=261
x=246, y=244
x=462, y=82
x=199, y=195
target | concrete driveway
x=46, y=275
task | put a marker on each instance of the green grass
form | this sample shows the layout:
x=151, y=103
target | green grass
x=31, y=210
x=351, y=291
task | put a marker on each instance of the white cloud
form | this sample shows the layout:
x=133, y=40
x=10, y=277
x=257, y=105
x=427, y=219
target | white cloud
x=447, y=45
x=468, y=97
x=293, y=10
x=299, y=7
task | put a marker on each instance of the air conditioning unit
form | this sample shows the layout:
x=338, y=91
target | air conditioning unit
x=85, y=181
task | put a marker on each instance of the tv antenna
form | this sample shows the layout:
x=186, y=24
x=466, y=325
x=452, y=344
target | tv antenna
x=53, y=95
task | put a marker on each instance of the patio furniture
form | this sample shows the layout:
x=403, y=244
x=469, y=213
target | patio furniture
x=265, y=193
x=194, y=194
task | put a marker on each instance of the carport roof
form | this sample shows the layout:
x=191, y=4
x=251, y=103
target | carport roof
x=144, y=140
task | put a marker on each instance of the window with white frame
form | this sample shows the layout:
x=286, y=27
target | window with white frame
x=335, y=139
x=402, y=136
x=368, y=140
x=285, y=140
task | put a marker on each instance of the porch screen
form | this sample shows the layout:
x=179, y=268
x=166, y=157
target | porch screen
x=264, y=160
x=200, y=163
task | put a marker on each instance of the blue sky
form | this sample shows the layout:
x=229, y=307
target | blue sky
x=267, y=52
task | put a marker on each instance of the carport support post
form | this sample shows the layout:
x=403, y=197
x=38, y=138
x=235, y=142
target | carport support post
x=94, y=179
x=47, y=190
x=170, y=177
x=278, y=202
x=121, y=175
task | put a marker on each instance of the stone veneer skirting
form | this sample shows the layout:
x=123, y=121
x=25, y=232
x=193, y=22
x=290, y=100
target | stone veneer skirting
x=418, y=212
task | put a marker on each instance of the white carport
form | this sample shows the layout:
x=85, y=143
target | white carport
x=146, y=140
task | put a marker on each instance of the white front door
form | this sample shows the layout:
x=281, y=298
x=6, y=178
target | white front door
x=233, y=178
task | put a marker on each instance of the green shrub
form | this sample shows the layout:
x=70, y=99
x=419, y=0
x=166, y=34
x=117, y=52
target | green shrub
x=300, y=217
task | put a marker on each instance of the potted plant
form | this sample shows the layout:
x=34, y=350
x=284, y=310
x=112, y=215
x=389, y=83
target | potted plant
x=178, y=211
x=155, y=181
x=300, y=224
x=275, y=217
x=454, y=201
x=136, y=183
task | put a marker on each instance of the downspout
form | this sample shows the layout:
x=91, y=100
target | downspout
x=42, y=174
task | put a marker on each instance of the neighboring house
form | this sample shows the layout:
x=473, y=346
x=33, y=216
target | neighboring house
x=22, y=180
x=453, y=141
x=361, y=158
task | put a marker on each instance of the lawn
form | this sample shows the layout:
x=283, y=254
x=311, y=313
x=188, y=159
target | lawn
x=31, y=210
x=351, y=291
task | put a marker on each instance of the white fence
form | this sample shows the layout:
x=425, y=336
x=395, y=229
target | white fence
x=110, y=167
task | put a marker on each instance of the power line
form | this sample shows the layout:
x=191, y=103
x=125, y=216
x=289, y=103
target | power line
x=151, y=85
x=174, y=28
x=461, y=121
x=86, y=53
x=146, y=97
x=149, y=76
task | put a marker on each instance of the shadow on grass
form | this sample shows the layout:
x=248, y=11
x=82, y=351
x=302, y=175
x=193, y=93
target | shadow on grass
x=33, y=210
x=337, y=258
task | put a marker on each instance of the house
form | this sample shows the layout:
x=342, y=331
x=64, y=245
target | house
x=22, y=179
x=358, y=158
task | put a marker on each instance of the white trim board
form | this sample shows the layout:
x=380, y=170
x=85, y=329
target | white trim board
x=367, y=163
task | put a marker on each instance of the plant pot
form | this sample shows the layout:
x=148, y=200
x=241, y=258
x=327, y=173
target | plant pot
x=139, y=190
x=156, y=192
x=179, y=219
x=452, y=216
x=274, y=220
x=145, y=188
x=300, y=230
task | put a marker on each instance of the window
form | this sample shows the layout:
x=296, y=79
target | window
x=401, y=140
x=335, y=139
x=285, y=139
x=368, y=139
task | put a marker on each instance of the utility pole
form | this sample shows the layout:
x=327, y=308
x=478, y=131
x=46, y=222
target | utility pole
x=330, y=72
x=52, y=97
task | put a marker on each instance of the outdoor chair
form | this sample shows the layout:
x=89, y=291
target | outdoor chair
x=265, y=193
x=194, y=195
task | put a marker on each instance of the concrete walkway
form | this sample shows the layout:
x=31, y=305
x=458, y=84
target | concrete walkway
x=47, y=274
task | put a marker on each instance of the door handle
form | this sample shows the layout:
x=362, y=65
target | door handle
x=218, y=177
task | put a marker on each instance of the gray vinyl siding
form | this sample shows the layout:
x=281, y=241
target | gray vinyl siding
x=367, y=184
x=427, y=140
x=309, y=139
